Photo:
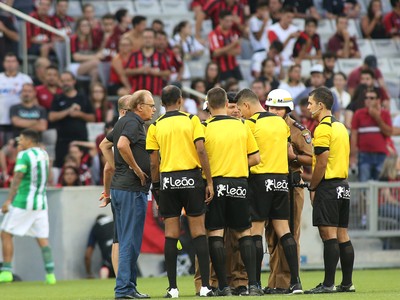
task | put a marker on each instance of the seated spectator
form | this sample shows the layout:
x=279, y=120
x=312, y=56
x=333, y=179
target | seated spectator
x=118, y=82
x=88, y=13
x=174, y=58
x=107, y=26
x=9, y=38
x=294, y=85
x=275, y=10
x=303, y=8
x=85, y=51
x=199, y=85
x=341, y=43
x=102, y=108
x=182, y=36
x=268, y=73
x=70, y=177
x=39, y=41
x=28, y=114
x=348, y=8
x=231, y=85
x=339, y=89
x=8, y=156
x=139, y=24
x=157, y=25
x=308, y=45
x=41, y=64
x=357, y=102
x=261, y=89
x=329, y=61
x=212, y=75
x=274, y=53
x=84, y=160
x=391, y=20
x=372, y=26
x=51, y=86
x=305, y=116
x=61, y=20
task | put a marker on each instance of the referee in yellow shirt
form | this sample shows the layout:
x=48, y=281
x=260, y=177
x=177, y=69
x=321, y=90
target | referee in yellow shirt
x=330, y=195
x=178, y=139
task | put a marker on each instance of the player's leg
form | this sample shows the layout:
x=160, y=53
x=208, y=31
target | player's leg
x=218, y=258
x=172, y=231
x=48, y=260
x=328, y=235
x=257, y=230
x=8, y=251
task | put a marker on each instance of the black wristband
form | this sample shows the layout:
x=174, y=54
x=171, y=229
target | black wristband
x=156, y=185
x=310, y=189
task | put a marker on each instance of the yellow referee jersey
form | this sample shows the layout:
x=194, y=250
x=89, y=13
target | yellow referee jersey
x=174, y=134
x=272, y=134
x=228, y=143
x=332, y=135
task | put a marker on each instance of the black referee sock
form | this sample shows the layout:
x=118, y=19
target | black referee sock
x=201, y=247
x=289, y=246
x=347, y=262
x=257, y=240
x=248, y=255
x=331, y=258
x=171, y=253
x=218, y=259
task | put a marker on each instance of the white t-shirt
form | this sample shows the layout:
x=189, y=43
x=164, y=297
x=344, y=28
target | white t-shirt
x=190, y=106
x=275, y=31
x=10, y=90
x=396, y=121
x=293, y=90
x=189, y=45
x=255, y=25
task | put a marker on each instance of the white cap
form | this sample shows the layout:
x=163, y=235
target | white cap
x=317, y=69
x=280, y=98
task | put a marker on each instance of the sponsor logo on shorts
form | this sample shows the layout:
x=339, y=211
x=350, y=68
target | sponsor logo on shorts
x=234, y=192
x=276, y=185
x=170, y=183
x=343, y=192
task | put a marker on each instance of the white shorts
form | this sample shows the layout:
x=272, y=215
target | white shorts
x=73, y=68
x=22, y=222
x=256, y=61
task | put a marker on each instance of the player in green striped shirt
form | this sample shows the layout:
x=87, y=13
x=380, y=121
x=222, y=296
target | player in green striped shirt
x=26, y=204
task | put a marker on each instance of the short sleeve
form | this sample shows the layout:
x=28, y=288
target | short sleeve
x=43, y=113
x=14, y=111
x=198, y=131
x=131, y=131
x=354, y=121
x=251, y=125
x=322, y=138
x=151, y=140
x=254, y=25
x=386, y=118
x=55, y=104
x=110, y=136
x=22, y=163
x=252, y=146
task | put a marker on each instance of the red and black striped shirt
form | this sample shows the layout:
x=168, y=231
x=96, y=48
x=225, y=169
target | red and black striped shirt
x=63, y=23
x=214, y=7
x=111, y=46
x=217, y=39
x=149, y=82
x=35, y=31
x=84, y=46
x=302, y=40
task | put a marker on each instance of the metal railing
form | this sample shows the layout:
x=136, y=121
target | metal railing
x=23, y=39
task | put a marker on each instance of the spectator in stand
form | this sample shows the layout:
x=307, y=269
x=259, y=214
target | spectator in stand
x=88, y=12
x=41, y=64
x=274, y=53
x=51, y=86
x=349, y=8
x=199, y=85
x=372, y=26
x=275, y=9
x=212, y=75
x=231, y=85
x=84, y=159
x=261, y=89
x=118, y=82
x=341, y=43
x=136, y=34
x=85, y=49
x=70, y=177
x=61, y=20
x=70, y=112
x=8, y=156
x=285, y=32
x=157, y=25
x=197, y=7
x=357, y=102
x=370, y=128
x=103, y=109
x=11, y=82
x=107, y=26
x=28, y=114
x=303, y=9
x=9, y=38
x=225, y=46
x=306, y=117
x=339, y=89
x=329, y=61
x=293, y=85
x=39, y=41
x=392, y=20
x=268, y=73
x=182, y=36
x=308, y=45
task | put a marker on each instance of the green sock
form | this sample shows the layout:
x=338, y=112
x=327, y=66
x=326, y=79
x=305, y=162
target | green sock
x=6, y=267
x=48, y=259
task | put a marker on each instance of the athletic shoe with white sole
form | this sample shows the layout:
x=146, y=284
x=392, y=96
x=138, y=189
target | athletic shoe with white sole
x=295, y=289
x=350, y=288
x=172, y=293
x=206, y=292
x=321, y=289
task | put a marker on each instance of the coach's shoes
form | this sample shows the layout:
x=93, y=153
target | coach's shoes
x=6, y=276
x=321, y=289
x=206, y=292
x=254, y=290
x=172, y=293
x=274, y=291
x=240, y=291
x=345, y=288
x=295, y=288
x=226, y=291
x=51, y=278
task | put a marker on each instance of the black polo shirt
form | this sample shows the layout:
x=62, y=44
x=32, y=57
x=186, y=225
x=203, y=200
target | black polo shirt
x=131, y=126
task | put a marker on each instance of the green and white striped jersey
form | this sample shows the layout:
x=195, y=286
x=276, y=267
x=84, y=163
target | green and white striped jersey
x=31, y=194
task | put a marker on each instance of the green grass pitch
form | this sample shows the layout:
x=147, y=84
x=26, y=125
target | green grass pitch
x=370, y=285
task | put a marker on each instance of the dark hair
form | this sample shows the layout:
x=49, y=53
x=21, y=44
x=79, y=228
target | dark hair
x=368, y=71
x=230, y=82
x=264, y=62
x=374, y=90
x=291, y=68
x=224, y=13
x=288, y=9
x=231, y=97
x=179, y=27
x=394, y=2
x=211, y=82
x=341, y=16
x=137, y=20
x=31, y=134
x=52, y=67
x=108, y=17
x=161, y=32
x=148, y=29
x=77, y=181
x=323, y=95
x=10, y=54
x=246, y=94
x=104, y=102
x=170, y=95
x=262, y=3
x=342, y=74
x=120, y=14
x=157, y=21
x=303, y=101
x=311, y=20
x=216, y=97
x=259, y=81
x=329, y=54
x=69, y=73
x=277, y=45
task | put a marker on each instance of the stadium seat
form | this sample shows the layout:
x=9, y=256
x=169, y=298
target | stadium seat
x=325, y=27
x=60, y=50
x=365, y=47
x=386, y=6
x=113, y=6
x=352, y=28
x=196, y=67
x=147, y=7
x=100, y=7
x=74, y=9
x=394, y=107
x=245, y=68
x=206, y=28
x=393, y=85
x=174, y=7
x=94, y=130
x=363, y=6
x=385, y=48
x=104, y=72
x=300, y=23
x=305, y=68
x=395, y=65
x=384, y=66
x=348, y=65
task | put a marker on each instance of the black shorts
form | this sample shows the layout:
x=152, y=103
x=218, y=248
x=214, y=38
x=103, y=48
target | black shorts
x=332, y=203
x=182, y=189
x=229, y=207
x=269, y=197
x=115, y=236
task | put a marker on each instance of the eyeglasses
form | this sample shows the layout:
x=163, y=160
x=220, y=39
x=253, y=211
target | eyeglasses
x=152, y=106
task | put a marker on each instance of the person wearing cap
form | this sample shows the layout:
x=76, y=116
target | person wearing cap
x=268, y=182
x=300, y=140
x=341, y=43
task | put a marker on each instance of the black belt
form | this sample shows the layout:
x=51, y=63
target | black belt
x=259, y=50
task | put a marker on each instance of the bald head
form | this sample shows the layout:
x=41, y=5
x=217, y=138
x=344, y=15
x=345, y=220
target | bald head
x=170, y=95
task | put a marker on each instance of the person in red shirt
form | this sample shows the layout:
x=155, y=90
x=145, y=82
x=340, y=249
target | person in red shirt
x=308, y=45
x=45, y=93
x=61, y=20
x=174, y=60
x=89, y=14
x=341, y=43
x=102, y=108
x=118, y=82
x=370, y=128
x=392, y=20
x=225, y=46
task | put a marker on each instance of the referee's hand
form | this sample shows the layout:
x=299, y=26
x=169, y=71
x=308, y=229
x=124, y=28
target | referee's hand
x=209, y=193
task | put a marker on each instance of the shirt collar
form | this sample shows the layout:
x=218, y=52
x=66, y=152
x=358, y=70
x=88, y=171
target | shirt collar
x=133, y=115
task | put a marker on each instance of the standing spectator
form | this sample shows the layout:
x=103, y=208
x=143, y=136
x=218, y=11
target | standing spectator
x=293, y=85
x=41, y=64
x=103, y=109
x=339, y=89
x=275, y=9
x=348, y=8
x=285, y=32
x=28, y=115
x=268, y=73
x=370, y=128
x=341, y=43
x=61, y=20
x=45, y=93
x=136, y=34
x=69, y=112
x=329, y=62
x=26, y=205
x=308, y=45
x=392, y=20
x=157, y=25
x=39, y=41
x=303, y=8
x=372, y=25
x=225, y=46
x=118, y=82
x=212, y=75
x=8, y=38
x=182, y=36
x=11, y=82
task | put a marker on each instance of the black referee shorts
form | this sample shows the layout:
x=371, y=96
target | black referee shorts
x=182, y=189
x=269, y=197
x=332, y=203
